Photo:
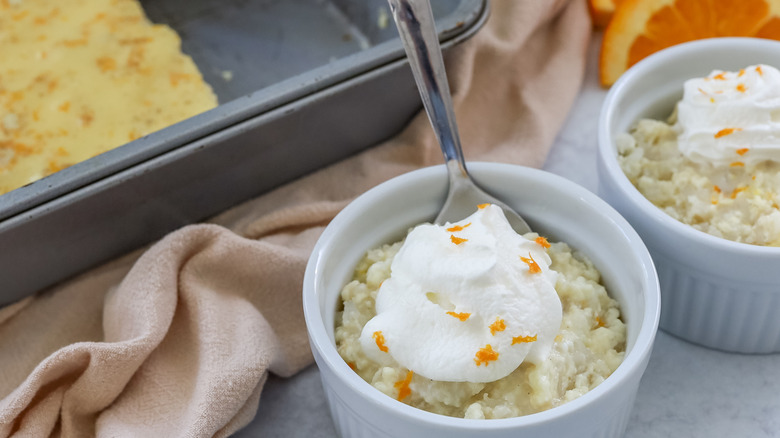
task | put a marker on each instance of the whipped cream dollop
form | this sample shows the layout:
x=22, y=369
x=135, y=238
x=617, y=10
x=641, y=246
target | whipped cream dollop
x=731, y=118
x=466, y=302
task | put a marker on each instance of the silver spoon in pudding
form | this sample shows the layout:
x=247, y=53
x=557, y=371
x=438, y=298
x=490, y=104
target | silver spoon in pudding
x=415, y=23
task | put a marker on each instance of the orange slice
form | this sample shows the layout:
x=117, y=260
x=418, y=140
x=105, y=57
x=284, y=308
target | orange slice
x=601, y=11
x=642, y=27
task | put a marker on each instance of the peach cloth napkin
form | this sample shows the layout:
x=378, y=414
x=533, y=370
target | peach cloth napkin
x=177, y=339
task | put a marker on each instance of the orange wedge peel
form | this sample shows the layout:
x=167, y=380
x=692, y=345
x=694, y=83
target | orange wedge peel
x=640, y=28
x=601, y=12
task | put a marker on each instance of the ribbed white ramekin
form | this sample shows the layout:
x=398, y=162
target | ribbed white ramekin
x=717, y=293
x=553, y=206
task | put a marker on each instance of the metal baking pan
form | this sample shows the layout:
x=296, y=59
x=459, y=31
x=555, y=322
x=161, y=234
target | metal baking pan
x=313, y=81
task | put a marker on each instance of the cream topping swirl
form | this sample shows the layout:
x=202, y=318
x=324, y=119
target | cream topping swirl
x=731, y=118
x=466, y=302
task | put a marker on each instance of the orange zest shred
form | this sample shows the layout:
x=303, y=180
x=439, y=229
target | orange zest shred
x=736, y=191
x=714, y=197
x=599, y=321
x=712, y=99
x=481, y=206
x=533, y=267
x=737, y=164
x=720, y=76
x=523, y=339
x=726, y=131
x=558, y=338
x=498, y=326
x=403, y=386
x=485, y=355
x=741, y=72
x=457, y=240
x=759, y=71
x=352, y=365
x=380, y=341
x=741, y=88
x=742, y=151
x=457, y=228
x=542, y=241
x=461, y=316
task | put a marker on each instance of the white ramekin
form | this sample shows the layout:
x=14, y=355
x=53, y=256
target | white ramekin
x=716, y=293
x=553, y=206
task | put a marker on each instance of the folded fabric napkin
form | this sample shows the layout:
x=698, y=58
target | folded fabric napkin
x=177, y=339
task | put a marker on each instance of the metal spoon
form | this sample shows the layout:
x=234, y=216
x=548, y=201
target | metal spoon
x=414, y=20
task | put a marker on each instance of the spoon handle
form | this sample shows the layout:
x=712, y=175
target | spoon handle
x=414, y=19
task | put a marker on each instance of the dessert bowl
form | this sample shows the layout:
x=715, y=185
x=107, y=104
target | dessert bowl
x=716, y=292
x=552, y=205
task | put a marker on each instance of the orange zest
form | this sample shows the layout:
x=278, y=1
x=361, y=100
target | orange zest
x=523, y=339
x=498, y=326
x=485, y=355
x=736, y=191
x=533, y=267
x=456, y=228
x=639, y=28
x=714, y=197
x=599, y=321
x=742, y=151
x=737, y=164
x=461, y=316
x=403, y=386
x=741, y=88
x=726, y=131
x=380, y=341
x=481, y=206
x=352, y=366
x=542, y=241
x=457, y=240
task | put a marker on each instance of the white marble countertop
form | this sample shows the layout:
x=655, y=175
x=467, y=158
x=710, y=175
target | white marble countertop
x=687, y=390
